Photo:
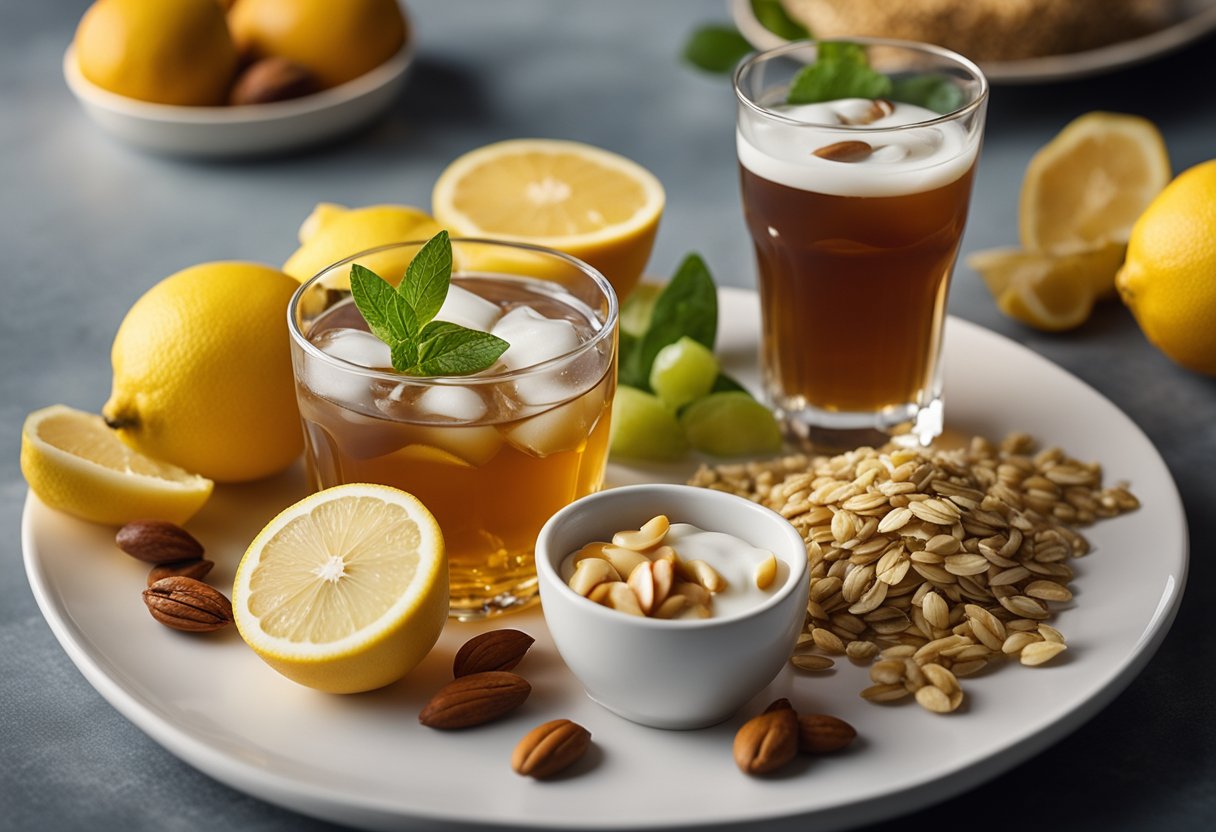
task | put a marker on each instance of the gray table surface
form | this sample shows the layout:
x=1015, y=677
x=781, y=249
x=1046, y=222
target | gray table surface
x=87, y=225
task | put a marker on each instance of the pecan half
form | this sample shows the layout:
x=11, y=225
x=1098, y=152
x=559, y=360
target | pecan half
x=197, y=569
x=188, y=604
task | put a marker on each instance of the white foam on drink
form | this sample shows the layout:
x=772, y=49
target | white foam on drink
x=468, y=310
x=907, y=161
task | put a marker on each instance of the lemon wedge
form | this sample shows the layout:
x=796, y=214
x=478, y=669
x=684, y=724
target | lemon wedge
x=345, y=591
x=75, y=463
x=579, y=199
x=1089, y=184
x=1048, y=292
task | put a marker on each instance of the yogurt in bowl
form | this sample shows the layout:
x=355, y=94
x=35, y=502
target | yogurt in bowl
x=688, y=671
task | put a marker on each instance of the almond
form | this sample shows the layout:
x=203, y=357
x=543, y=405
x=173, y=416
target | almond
x=272, y=79
x=156, y=541
x=188, y=604
x=823, y=734
x=879, y=108
x=475, y=700
x=767, y=742
x=495, y=650
x=550, y=748
x=851, y=151
x=197, y=569
x=779, y=704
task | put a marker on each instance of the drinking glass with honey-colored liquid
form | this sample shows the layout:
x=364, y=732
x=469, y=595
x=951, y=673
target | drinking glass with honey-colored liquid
x=856, y=204
x=493, y=454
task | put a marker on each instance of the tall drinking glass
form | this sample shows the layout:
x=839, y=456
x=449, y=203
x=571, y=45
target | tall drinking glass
x=492, y=455
x=856, y=207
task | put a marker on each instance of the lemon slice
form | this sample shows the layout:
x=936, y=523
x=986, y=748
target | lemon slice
x=587, y=202
x=1090, y=183
x=1046, y=292
x=75, y=463
x=345, y=591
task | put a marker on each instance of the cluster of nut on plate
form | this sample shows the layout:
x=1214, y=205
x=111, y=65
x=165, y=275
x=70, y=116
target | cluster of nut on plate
x=176, y=595
x=767, y=742
x=484, y=689
x=638, y=573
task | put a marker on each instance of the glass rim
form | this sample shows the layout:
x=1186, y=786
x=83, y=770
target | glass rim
x=915, y=46
x=597, y=278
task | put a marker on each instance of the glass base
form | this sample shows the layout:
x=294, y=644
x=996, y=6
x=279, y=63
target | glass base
x=832, y=431
x=521, y=596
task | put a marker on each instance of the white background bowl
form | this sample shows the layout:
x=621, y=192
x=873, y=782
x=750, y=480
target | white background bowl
x=246, y=130
x=671, y=674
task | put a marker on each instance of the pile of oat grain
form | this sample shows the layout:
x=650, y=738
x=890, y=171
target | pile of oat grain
x=938, y=562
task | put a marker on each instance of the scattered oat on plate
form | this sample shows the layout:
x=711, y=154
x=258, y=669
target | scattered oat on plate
x=939, y=563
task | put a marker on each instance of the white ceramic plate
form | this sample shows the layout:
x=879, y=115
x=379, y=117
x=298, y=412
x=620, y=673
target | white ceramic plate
x=364, y=760
x=240, y=131
x=1192, y=20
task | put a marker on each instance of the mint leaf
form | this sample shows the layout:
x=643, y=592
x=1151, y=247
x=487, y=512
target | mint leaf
x=402, y=317
x=841, y=71
x=387, y=315
x=447, y=349
x=842, y=51
x=773, y=16
x=688, y=305
x=716, y=48
x=426, y=281
x=404, y=354
x=935, y=92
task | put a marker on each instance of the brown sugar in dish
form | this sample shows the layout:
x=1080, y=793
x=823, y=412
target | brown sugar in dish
x=988, y=30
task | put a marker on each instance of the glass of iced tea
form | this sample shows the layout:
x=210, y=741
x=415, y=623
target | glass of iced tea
x=856, y=161
x=492, y=455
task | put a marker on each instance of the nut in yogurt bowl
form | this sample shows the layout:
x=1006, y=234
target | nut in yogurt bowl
x=681, y=634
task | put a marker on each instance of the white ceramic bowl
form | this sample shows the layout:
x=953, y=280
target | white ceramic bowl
x=247, y=130
x=671, y=674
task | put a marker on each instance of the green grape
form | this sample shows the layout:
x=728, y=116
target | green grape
x=642, y=428
x=683, y=372
x=731, y=424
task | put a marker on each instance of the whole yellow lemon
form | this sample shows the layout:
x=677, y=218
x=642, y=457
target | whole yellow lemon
x=1169, y=277
x=165, y=51
x=335, y=41
x=202, y=372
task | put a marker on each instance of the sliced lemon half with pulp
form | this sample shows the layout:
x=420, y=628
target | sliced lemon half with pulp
x=579, y=199
x=345, y=591
x=1090, y=183
x=75, y=463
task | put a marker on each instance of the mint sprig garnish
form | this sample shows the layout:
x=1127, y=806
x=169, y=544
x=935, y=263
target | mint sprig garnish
x=404, y=317
x=841, y=70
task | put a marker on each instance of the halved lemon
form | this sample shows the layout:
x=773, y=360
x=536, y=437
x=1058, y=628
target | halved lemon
x=75, y=463
x=579, y=199
x=1090, y=183
x=345, y=591
x=1048, y=292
